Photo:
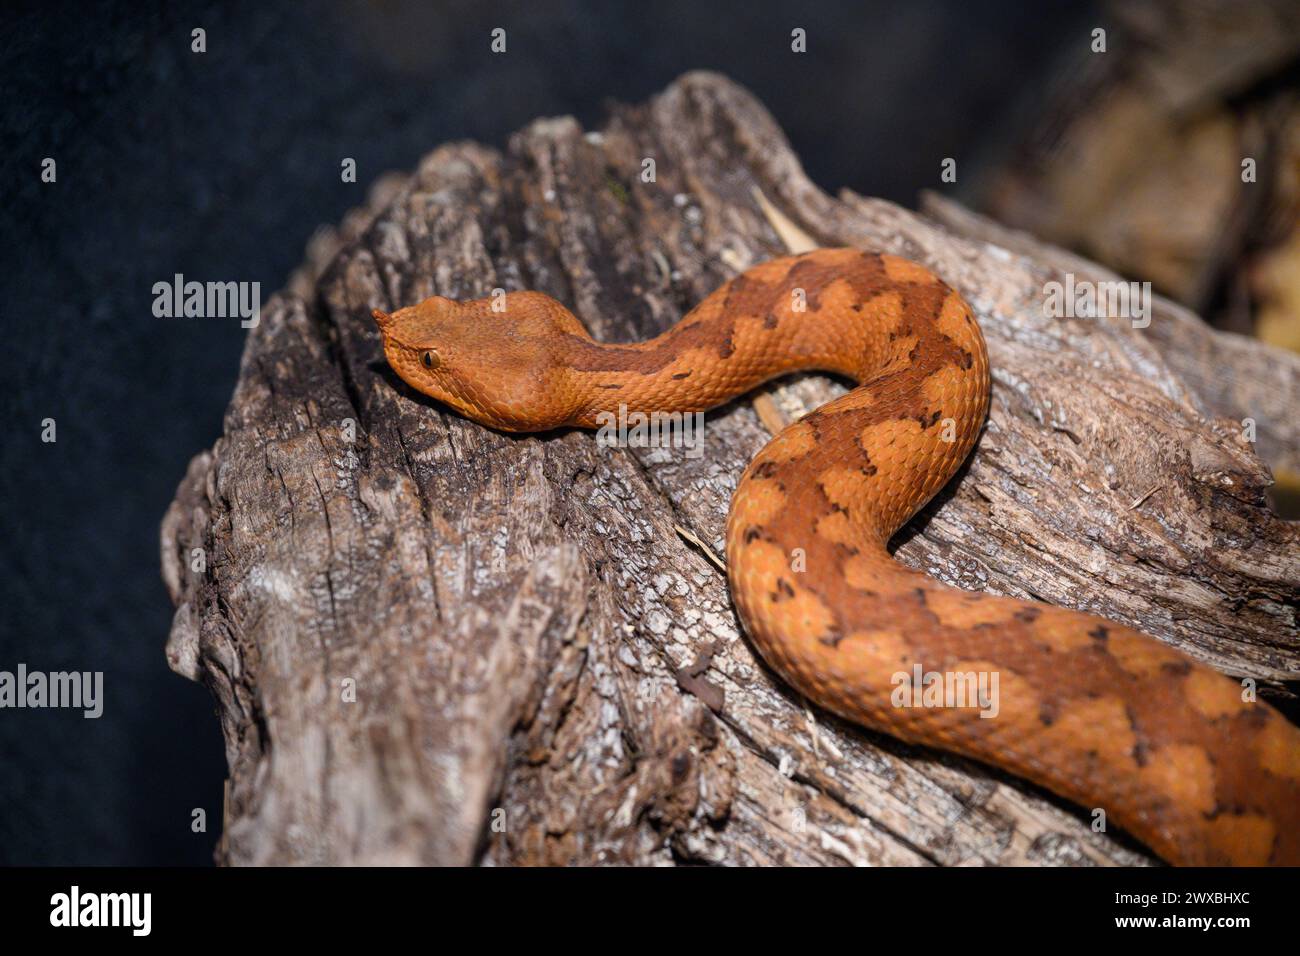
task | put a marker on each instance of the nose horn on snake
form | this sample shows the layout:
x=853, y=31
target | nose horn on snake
x=383, y=319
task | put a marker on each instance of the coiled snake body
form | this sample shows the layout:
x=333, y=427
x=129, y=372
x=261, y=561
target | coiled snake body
x=1094, y=711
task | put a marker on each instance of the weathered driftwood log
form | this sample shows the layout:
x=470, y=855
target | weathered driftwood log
x=433, y=643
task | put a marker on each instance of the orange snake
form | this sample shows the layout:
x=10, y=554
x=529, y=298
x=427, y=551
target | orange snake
x=1092, y=710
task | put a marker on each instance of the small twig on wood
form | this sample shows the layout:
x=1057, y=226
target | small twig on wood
x=708, y=552
x=1144, y=497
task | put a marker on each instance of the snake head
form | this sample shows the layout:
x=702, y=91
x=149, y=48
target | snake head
x=491, y=360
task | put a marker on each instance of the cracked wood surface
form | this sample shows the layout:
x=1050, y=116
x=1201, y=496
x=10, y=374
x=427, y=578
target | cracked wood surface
x=432, y=643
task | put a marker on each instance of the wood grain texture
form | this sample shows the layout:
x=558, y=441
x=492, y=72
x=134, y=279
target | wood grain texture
x=545, y=670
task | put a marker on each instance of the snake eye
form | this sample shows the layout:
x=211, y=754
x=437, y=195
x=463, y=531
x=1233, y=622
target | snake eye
x=429, y=359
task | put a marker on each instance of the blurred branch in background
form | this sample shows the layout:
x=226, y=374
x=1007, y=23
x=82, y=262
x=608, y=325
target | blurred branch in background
x=1136, y=158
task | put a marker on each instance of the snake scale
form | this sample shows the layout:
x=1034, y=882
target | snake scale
x=1094, y=711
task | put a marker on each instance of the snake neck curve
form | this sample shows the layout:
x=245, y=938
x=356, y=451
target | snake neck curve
x=910, y=342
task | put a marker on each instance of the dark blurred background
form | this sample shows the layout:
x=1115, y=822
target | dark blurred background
x=220, y=166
